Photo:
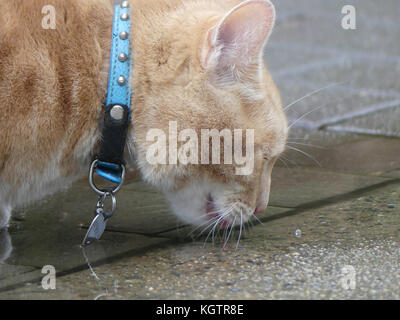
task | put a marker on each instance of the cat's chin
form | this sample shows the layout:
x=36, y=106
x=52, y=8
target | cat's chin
x=205, y=204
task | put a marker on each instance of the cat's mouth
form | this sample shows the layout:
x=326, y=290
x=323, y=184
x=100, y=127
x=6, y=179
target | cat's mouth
x=212, y=213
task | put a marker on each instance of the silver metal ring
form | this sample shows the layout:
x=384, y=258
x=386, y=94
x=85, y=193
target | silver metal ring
x=113, y=202
x=101, y=192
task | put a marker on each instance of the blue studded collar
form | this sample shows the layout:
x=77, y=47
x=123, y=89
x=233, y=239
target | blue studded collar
x=120, y=61
x=117, y=111
x=108, y=163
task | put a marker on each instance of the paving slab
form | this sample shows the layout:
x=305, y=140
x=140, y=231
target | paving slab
x=300, y=256
x=330, y=106
x=319, y=25
x=11, y=274
x=385, y=123
x=362, y=155
x=304, y=58
x=50, y=233
x=345, y=92
x=59, y=248
x=393, y=174
x=299, y=187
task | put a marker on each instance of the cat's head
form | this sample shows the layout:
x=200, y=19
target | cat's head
x=204, y=70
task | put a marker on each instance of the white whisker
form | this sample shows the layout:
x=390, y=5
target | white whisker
x=291, y=161
x=306, y=144
x=213, y=228
x=258, y=220
x=229, y=234
x=304, y=115
x=240, y=231
x=305, y=154
x=218, y=212
x=313, y=93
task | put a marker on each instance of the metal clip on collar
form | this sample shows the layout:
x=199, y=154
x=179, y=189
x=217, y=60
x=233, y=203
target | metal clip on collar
x=99, y=222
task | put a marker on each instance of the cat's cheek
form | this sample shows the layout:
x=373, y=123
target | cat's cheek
x=188, y=206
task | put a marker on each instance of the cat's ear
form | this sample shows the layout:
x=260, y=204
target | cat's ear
x=236, y=43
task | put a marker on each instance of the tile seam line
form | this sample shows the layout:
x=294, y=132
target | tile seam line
x=331, y=200
x=364, y=132
x=376, y=108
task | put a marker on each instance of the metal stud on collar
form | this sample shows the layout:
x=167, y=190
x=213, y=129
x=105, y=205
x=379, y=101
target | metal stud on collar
x=123, y=35
x=117, y=112
x=122, y=57
x=124, y=16
x=121, y=81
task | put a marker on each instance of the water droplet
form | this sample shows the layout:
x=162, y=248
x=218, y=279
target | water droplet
x=297, y=233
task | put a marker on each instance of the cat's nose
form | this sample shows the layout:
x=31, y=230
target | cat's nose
x=260, y=208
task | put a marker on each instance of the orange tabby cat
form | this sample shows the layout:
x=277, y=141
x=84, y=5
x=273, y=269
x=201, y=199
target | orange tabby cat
x=196, y=62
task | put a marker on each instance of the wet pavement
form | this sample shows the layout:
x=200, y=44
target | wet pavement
x=333, y=225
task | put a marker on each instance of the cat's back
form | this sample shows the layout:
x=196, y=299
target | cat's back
x=47, y=73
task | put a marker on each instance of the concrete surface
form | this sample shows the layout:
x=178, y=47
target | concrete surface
x=333, y=225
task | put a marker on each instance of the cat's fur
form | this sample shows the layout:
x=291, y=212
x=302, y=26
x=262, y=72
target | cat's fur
x=197, y=62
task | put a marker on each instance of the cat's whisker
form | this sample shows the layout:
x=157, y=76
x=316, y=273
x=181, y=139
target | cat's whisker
x=216, y=224
x=212, y=228
x=221, y=212
x=304, y=115
x=290, y=161
x=229, y=234
x=224, y=233
x=285, y=160
x=258, y=220
x=240, y=230
x=217, y=211
x=305, y=139
x=306, y=144
x=305, y=154
x=250, y=223
x=313, y=93
x=215, y=221
x=208, y=223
